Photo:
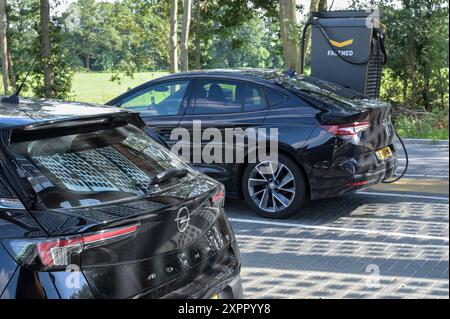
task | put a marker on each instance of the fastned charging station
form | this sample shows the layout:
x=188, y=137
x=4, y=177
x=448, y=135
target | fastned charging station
x=347, y=48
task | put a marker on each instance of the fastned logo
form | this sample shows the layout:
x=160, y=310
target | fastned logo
x=341, y=44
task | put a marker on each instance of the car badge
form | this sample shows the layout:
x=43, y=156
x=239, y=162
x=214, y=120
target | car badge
x=183, y=219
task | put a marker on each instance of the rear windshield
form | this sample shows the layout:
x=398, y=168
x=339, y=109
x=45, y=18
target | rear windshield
x=329, y=93
x=94, y=168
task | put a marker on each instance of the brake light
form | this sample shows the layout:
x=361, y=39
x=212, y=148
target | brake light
x=357, y=184
x=56, y=253
x=347, y=129
x=219, y=198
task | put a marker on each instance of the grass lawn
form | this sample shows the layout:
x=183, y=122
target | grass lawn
x=96, y=87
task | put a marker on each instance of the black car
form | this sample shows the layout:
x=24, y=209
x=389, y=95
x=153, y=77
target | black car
x=92, y=207
x=331, y=140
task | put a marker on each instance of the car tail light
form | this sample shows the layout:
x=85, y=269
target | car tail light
x=57, y=253
x=219, y=198
x=347, y=129
x=357, y=184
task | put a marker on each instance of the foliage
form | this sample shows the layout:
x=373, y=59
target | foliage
x=431, y=125
x=25, y=46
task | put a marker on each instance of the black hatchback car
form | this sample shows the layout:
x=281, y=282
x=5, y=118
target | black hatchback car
x=331, y=140
x=92, y=207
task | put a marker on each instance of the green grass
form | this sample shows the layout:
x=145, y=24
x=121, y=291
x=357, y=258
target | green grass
x=97, y=87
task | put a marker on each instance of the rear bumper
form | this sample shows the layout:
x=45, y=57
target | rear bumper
x=344, y=179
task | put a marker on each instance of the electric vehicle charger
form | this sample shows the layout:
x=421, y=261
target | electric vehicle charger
x=351, y=23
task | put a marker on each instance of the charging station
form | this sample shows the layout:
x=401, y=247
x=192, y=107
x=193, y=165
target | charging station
x=347, y=48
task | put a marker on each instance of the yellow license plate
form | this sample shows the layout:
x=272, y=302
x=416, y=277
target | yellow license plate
x=384, y=153
x=216, y=296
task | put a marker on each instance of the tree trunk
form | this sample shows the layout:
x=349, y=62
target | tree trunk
x=316, y=5
x=323, y=5
x=185, y=35
x=173, y=36
x=49, y=77
x=4, y=46
x=87, y=62
x=198, y=34
x=288, y=23
x=283, y=29
x=12, y=73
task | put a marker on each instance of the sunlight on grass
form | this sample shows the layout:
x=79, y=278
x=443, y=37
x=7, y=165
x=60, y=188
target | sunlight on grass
x=97, y=87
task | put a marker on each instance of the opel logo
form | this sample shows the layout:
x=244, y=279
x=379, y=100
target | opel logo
x=183, y=219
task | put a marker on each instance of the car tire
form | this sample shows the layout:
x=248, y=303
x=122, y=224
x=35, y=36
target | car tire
x=274, y=189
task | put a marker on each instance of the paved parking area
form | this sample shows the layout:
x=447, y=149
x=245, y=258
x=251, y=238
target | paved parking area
x=386, y=242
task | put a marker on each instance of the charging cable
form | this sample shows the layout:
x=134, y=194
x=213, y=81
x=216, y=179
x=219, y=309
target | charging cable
x=381, y=51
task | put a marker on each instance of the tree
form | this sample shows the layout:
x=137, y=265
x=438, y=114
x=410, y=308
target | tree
x=4, y=46
x=289, y=34
x=46, y=40
x=173, y=41
x=315, y=5
x=198, y=34
x=185, y=35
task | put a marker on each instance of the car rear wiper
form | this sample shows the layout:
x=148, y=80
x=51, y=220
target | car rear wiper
x=167, y=175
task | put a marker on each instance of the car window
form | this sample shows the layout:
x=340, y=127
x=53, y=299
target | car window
x=254, y=99
x=213, y=96
x=275, y=98
x=158, y=100
x=94, y=168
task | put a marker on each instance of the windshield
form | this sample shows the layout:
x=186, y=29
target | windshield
x=95, y=168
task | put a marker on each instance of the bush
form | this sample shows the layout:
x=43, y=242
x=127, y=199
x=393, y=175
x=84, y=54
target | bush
x=429, y=125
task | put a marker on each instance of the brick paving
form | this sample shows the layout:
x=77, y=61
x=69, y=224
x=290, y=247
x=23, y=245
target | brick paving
x=357, y=246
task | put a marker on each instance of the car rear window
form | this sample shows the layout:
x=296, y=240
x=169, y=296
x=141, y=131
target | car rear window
x=333, y=95
x=95, y=167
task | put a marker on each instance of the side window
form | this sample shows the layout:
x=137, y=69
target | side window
x=216, y=96
x=254, y=99
x=274, y=98
x=158, y=100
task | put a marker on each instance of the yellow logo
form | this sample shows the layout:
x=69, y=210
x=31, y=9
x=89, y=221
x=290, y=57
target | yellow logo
x=341, y=44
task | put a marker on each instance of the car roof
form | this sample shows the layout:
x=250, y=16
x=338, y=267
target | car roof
x=31, y=111
x=258, y=75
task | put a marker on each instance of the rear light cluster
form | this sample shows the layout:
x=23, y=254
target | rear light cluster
x=218, y=200
x=58, y=253
x=346, y=130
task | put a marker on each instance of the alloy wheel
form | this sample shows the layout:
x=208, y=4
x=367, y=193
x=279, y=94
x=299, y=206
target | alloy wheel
x=271, y=186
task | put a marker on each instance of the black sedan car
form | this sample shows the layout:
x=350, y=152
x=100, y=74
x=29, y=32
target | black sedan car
x=331, y=140
x=92, y=207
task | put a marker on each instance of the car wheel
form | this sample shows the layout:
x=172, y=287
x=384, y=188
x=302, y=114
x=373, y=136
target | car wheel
x=274, y=189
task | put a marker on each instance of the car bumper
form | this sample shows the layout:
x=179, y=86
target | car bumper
x=345, y=179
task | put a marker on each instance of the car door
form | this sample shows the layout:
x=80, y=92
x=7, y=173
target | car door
x=160, y=104
x=223, y=104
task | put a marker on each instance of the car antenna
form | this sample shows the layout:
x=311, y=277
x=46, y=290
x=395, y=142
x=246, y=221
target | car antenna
x=14, y=99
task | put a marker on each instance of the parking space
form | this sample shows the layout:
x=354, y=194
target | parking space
x=390, y=241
